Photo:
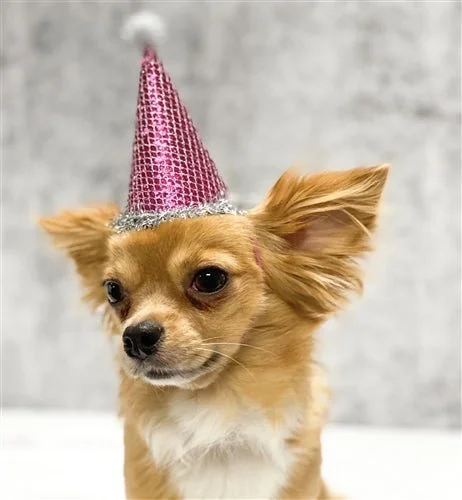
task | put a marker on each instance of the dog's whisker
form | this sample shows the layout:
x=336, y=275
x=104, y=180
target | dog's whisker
x=218, y=337
x=230, y=358
x=239, y=344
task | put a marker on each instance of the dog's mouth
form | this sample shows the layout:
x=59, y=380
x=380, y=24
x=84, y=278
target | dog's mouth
x=167, y=373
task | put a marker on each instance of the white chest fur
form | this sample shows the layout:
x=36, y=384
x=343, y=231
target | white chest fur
x=210, y=455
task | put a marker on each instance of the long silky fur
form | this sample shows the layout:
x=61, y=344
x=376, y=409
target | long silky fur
x=318, y=281
x=83, y=235
x=308, y=234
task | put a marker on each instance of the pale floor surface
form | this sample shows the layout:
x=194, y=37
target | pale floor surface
x=55, y=455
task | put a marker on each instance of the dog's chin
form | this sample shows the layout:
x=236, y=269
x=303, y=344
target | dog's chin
x=171, y=376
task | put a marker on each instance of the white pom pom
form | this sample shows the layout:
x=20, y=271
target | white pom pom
x=145, y=29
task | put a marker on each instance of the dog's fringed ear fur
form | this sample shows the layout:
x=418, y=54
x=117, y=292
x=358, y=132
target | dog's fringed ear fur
x=83, y=236
x=311, y=230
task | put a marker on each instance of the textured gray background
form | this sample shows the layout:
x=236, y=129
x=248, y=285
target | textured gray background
x=326, y=85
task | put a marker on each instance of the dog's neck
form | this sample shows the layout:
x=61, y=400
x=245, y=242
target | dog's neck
x=235, y=438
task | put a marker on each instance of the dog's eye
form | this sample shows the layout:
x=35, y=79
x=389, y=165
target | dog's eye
x=209, y=280
x=114, y=291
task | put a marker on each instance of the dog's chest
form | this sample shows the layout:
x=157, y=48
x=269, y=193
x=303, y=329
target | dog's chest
x=210, y=456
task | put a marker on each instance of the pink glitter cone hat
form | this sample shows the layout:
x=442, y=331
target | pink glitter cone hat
x=172, y=174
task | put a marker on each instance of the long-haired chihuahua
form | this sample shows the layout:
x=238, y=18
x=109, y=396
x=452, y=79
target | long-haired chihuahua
x=214, y=316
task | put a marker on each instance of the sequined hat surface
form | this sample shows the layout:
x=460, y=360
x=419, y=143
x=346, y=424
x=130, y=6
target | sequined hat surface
x=172, y=174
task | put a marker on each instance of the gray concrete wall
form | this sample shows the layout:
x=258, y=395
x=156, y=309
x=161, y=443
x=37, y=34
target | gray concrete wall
x=328, y=85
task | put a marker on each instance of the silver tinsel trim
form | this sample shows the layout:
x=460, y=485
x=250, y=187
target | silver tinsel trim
x=129, y=221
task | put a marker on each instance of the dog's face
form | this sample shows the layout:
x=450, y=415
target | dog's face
x=184, y=298
x=184, y=295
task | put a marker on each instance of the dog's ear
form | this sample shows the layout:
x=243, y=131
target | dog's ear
x=83, y=235
x=333, y=212
x=315, y=226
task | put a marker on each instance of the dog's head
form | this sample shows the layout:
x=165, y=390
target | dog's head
x=183, y=298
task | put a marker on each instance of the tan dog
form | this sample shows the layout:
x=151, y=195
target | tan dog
x=219, y=391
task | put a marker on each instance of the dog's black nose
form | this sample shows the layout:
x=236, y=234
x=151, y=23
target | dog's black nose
x=140, y=340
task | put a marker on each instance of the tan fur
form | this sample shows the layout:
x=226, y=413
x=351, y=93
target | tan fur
x=309, y=233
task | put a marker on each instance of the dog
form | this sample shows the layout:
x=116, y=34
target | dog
x=214, y=317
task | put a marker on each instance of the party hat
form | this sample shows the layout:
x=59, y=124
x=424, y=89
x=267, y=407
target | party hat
x=172, y=174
